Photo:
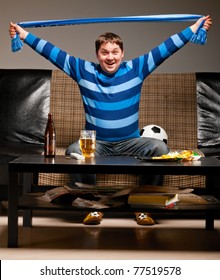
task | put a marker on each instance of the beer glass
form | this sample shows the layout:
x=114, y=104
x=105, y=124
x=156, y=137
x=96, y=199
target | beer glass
x=87, y=142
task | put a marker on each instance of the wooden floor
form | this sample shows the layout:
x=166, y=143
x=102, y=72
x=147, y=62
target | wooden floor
x=56, y=235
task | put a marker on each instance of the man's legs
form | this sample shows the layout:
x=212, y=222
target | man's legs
x=144, y=146
x=132, y=147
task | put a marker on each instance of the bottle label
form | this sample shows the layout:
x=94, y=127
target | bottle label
x=50, y=147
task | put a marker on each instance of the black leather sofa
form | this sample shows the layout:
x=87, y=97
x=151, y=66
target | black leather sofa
x=25, y=102
x=26, y=99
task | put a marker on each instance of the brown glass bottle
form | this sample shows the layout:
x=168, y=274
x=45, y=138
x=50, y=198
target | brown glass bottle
x=50, y=138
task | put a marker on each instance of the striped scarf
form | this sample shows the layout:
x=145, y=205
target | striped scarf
x=199, y=37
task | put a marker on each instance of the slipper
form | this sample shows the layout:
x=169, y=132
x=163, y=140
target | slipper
x=93, y=218
x=144, y=219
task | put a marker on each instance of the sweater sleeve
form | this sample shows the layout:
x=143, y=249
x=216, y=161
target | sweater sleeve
x=56, y=56
x=160, y=53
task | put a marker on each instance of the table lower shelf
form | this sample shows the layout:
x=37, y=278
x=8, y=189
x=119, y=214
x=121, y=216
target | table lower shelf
x=33, y=201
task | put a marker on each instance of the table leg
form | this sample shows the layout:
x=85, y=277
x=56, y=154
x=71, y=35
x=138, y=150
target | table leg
x=209, y=189
x=27, y=185
x=209, y=221
x=13, y=210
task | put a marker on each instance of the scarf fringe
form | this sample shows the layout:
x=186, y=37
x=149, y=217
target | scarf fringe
x=199, y=37
x=16, y=44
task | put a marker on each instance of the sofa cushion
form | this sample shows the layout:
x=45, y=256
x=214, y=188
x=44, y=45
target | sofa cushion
x=208, y=102
x=211, y=150
x=24, y=106
x=11, y=150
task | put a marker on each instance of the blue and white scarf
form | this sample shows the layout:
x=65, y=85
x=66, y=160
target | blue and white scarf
x=199, y=37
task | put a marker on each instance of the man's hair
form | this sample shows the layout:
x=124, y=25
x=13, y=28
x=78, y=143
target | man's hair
x=108, y=37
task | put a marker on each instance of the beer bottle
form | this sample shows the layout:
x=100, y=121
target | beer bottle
x=50, y=138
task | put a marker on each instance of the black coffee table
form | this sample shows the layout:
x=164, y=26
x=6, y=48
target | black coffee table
x=30, y=164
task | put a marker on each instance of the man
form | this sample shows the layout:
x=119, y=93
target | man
x=110, y=92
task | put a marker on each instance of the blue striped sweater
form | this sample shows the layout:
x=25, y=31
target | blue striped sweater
x=111, y=102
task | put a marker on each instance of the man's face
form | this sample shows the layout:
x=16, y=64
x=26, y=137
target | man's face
x=110, y=56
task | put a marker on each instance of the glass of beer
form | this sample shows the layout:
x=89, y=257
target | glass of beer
x=87, y=142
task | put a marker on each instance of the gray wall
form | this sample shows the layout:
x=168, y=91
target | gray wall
x=138, y=37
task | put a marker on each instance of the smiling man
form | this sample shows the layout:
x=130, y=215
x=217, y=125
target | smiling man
x=110, y=91
x=109, y=52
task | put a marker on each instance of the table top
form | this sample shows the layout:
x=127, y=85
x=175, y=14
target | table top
x=113, y=164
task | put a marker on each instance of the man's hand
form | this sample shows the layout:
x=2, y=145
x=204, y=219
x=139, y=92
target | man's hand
x=206, y=25
x=16, y=29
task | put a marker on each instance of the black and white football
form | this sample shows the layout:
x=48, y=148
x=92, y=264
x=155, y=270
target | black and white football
x=154, y=131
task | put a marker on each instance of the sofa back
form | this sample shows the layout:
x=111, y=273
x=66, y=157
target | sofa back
x=167, y=100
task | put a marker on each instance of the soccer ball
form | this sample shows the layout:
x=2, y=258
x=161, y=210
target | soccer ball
x=154, y=131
